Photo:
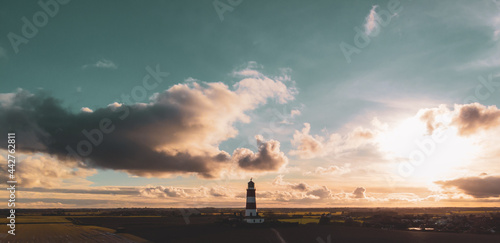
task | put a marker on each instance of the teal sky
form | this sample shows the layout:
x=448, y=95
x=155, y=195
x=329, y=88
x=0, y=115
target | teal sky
x=429, y=53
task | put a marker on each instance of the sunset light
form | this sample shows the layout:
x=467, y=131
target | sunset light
x=250, y=121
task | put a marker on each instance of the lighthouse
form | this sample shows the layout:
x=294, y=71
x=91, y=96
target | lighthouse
x=251, y=215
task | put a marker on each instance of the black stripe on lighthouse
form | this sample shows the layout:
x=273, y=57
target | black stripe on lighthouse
x=250, y=192
x=251, y=206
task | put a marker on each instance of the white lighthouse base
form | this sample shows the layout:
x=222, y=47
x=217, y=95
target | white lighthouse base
x=254, y=220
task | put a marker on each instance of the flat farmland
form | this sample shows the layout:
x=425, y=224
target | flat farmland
x=321, y=233
x=203, y=229
x=58, y=229
x=223, y=225
x=176, y=229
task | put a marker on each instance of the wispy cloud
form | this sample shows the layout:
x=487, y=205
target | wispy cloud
x=294, y=113
x=371, y=21
x=307, y=146
x=488, y=62
x=331, y=170
x=103, y=63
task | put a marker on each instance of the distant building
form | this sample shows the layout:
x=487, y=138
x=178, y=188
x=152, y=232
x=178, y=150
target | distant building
x=251, y=214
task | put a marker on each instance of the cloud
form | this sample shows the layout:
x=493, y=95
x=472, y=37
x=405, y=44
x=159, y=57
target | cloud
x=486, y=18
x=468, y=119
x=478, y=187
x=294, y=113
x=260, y=89
x=186, y=193
x=359, y=192
x=331, y=170
x=268, y=158
x=474, y=117
x=86, y=109
x=7, y=99
x=283, y=196
x=371, y=21
x=301, y=186
x=128, y=191
x=40, y=204
x=486, y=62
x=308, y=146
x=42, y=171
x=430, y=116
x=300, y=190
x=161, y=191
x=220, y=191
x=320, y=193
x=178, y=131
x=247, y=72
x=103, y=63
x=313, y=146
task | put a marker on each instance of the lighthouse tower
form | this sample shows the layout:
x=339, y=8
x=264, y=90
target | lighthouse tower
x=251, y=215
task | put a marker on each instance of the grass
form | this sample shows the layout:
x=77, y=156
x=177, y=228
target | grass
x=300, y=220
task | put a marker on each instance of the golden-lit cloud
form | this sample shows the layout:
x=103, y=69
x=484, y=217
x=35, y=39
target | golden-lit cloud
x=468, y=119
x=359, y=192
x=268, y=158
x=37, y=170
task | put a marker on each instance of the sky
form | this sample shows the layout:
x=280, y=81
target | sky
x=323, y=103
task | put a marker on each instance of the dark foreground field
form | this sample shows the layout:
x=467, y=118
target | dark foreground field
x=287, y=225
x=161, y=229
x=57, y=229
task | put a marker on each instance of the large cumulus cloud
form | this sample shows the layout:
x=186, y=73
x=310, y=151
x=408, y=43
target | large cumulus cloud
x=479, y=187
x=178, y=131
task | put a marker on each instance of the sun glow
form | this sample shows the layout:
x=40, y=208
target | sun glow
x=398, y=141
x=427, y=157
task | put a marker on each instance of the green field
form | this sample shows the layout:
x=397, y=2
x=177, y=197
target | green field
x=301, y=220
